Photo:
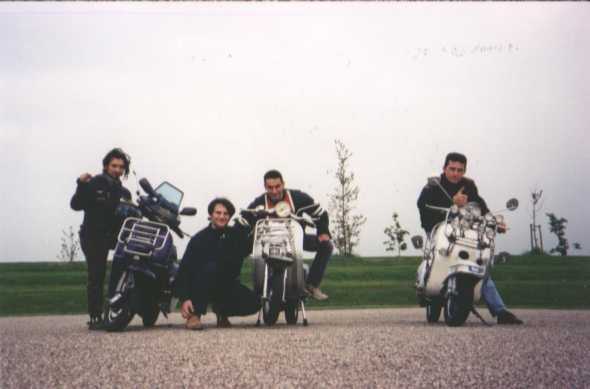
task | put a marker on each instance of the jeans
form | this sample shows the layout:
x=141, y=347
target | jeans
x=318, y=267
x=492, y=297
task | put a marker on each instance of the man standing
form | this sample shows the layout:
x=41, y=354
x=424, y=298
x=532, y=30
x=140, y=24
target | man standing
x=99, y=197
x=457, y=189
x=210, y=270
x=299, y=202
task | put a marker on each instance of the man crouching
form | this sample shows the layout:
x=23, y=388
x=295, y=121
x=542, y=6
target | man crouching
x=210, y=270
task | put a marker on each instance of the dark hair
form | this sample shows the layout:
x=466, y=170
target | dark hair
x=117, y=153
x=455, y=157
x=273, y=174
x=223, y=201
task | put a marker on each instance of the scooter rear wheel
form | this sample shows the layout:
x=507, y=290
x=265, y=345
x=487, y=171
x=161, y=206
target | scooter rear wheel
x=292, y=311
x=150, y=315
x=433, y=309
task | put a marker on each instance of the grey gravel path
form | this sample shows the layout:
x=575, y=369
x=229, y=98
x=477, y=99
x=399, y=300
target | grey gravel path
x=384, y=348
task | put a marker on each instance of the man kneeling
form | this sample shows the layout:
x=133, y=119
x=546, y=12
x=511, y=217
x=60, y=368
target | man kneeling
x=210, y=270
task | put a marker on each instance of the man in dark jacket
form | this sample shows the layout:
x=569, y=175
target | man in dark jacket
x=99, y=197
x=299, y=202
x=210, y=270
x=452, y=187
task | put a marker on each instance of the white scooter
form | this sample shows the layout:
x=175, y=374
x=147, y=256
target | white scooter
x=458, y=255
x=279, y=271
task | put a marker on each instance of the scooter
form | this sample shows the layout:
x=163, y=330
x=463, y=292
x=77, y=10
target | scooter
x=145, y=261
x=279, y=272
x=458, y=256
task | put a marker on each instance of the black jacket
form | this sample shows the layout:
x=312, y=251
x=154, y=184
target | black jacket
x=432, y=194
x=299, y=201
x=99, y=198
x=221, y=250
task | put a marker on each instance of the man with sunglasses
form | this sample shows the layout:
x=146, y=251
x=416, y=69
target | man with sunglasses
x=461, y=190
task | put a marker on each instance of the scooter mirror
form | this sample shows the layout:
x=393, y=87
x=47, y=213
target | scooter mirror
x=417, y=241
x=146, y=186
x=512, y=204
x=188, y=211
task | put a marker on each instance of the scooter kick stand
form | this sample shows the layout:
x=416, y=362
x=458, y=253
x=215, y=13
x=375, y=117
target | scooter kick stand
x=258, y=321
x=480, y=317
x=305, y=323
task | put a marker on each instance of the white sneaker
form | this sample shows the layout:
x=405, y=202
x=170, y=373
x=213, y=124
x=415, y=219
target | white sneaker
x=316, y=293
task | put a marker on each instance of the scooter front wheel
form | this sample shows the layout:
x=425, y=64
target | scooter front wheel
x=119, y=315
x=272, y=306
x=118, y=319
x=458, y=304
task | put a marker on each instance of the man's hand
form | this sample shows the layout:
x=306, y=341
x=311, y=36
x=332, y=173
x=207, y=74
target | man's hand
x=502, y=228
x=460, y=199
x=323, y=237
x=85, y=177
x=187, y=309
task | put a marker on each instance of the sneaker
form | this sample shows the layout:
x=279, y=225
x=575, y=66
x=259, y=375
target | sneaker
x=194, y=323
x=96, y=323
x=507, y=317
x=316, y=293
x=223, y=322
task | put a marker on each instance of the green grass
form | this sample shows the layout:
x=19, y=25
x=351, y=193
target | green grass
x=531, y=282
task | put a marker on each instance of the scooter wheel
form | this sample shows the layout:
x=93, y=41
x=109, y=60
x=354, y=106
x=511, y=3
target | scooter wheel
x=433, y=309
x=292, y=312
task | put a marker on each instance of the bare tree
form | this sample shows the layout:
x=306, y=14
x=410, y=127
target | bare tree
x=346, y=225
x=70, y=246
x=535, y=229
x=395, y=236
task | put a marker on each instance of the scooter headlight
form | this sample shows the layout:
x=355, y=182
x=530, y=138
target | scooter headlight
x=283, y=209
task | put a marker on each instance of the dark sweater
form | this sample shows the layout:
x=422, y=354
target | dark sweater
x=301, y=201
x=433, y=195
x=221, y=250
x=99, y=198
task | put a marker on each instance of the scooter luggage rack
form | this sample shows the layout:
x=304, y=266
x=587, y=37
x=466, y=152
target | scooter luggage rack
x=142, y=237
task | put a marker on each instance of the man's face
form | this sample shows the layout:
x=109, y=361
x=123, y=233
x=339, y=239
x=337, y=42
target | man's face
x=116, y=167
x=454, y=171
x=220, y=216
x=274, y=189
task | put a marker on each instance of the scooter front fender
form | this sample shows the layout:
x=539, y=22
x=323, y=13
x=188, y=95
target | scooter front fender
x=142, y=270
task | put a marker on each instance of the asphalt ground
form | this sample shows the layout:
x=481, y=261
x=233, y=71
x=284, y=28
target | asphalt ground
x=381, y=348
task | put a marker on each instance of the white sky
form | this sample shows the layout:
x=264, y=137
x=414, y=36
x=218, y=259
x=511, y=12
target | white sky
x=210, y=96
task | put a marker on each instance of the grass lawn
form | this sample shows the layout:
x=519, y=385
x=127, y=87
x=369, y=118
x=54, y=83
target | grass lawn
x=532, y=282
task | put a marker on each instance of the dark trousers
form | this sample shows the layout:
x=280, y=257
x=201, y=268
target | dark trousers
x=318, y=267
x=95, y=250
x=228, y=297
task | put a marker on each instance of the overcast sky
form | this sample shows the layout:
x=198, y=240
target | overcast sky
x=210, y=96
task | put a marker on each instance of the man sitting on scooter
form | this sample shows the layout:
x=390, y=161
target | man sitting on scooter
x=210, y=270
x=461, y=190
x=299, y=201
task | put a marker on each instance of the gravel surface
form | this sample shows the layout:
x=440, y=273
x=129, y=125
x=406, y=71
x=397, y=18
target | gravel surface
x=341, y=348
